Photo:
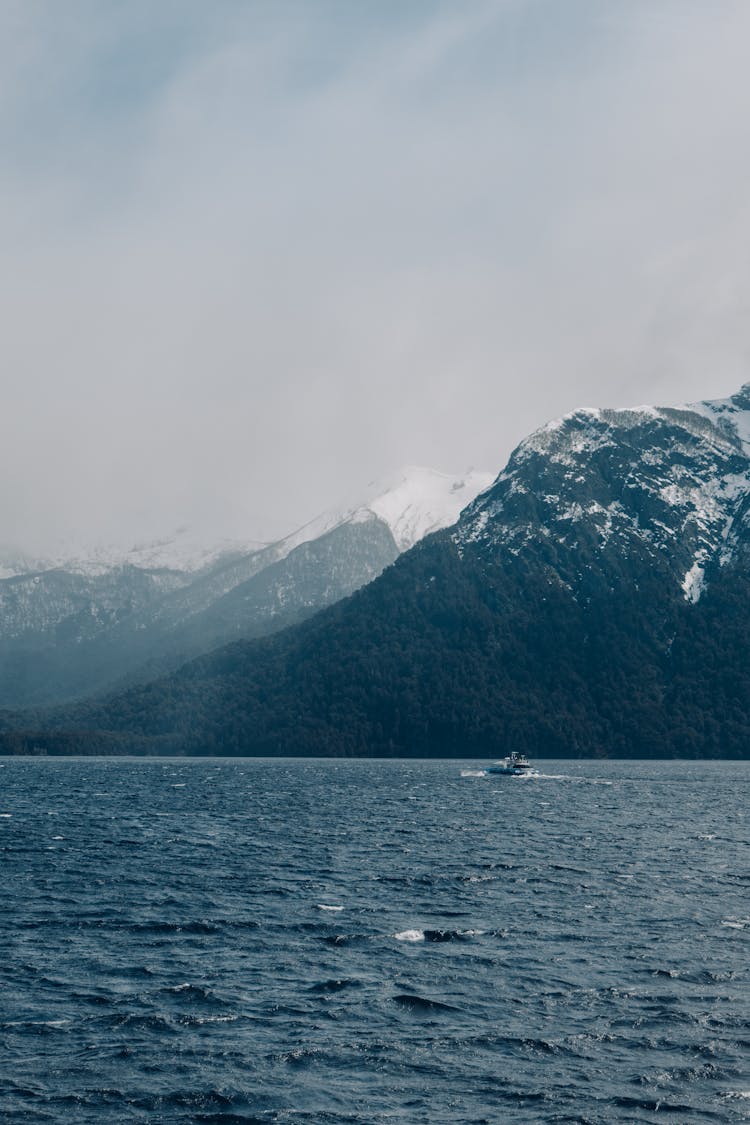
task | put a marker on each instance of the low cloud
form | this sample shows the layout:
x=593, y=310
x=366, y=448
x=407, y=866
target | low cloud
x=257, y=254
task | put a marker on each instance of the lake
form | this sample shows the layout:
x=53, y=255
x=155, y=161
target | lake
x=287, y=940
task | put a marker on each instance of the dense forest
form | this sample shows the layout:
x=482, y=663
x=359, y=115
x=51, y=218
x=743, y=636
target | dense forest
x=65, y=635
x=455, y=656
x=594, y=602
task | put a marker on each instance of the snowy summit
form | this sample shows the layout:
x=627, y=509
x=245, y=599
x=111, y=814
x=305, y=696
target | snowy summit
x=670, y=482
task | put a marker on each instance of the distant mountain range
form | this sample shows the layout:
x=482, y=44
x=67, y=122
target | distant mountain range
x=593, y=601
x=80, y=622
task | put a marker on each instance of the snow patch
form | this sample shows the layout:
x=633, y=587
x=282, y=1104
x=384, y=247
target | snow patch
x=693, y=584
x=182, y=551
x=729, y=415
x=413, y=503
x=692, y=460
x=424, y=501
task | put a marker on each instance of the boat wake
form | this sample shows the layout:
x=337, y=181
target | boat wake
x=539, y=775
x=573, y=778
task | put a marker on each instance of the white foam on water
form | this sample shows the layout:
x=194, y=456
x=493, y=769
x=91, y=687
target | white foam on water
x=5, y=815
x=37, y=1023
x=736, y=923
x=58, y=837
x=473, y=773
x=410, y=935
x=332, y=909
x=739, y=1095
x=569, y=777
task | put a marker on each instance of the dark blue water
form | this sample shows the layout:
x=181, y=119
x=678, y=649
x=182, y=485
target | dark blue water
x=319, y=941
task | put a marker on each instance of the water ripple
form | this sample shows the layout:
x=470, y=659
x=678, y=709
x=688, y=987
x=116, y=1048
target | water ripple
x=255, y=941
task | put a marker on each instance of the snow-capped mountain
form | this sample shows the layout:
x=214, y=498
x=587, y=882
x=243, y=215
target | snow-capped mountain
x=412, y=504
x=77, y=621
x=667, y=484
x=422, y=501
x=593, y=601
x=182, y=551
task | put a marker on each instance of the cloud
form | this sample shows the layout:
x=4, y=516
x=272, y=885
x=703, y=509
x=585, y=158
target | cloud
x=257, y=254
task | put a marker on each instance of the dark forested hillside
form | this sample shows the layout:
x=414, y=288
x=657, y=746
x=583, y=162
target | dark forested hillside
x=594, y=602
x=438, y=658
x=68, y=635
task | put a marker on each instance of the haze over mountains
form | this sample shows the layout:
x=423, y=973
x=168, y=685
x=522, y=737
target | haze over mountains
x=595, y=600
x=76, y=623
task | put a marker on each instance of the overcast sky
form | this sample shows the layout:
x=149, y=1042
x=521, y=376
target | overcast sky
x=255, y=254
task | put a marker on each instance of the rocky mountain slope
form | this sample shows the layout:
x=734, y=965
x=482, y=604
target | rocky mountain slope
x=595, y=600
x=669, y=485
x=75, y=624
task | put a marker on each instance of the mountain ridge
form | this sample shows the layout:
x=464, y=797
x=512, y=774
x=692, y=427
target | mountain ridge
x=413, y=501
x=562, y=615
x=68, y=632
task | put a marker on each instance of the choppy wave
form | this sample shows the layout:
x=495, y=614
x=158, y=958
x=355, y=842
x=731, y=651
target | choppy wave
x=364, y=942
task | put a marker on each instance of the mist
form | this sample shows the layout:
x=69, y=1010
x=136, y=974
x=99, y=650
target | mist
x=258, y=254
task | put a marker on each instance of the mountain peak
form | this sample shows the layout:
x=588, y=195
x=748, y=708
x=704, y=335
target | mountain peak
x=668, y=485
x=412, y=502
x=731, y=415
x=423, y=500
x=593, y=600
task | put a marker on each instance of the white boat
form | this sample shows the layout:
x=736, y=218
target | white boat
x=515, y=764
